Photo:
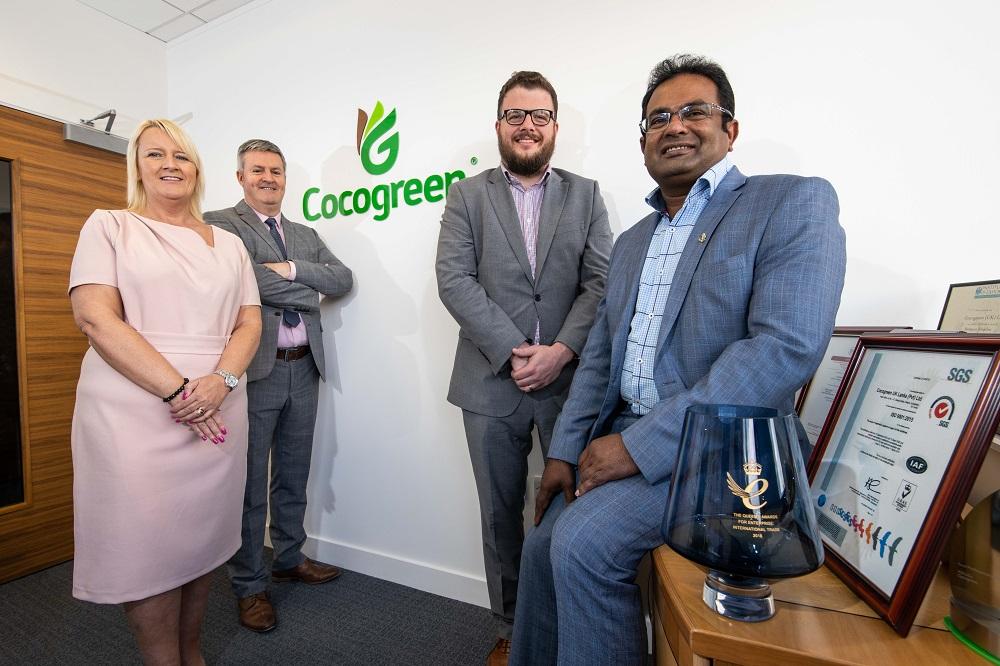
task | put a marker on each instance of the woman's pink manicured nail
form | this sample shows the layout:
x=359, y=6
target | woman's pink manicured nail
x=221, y=439
x=184, y=396
x=204, y=439
x=224, y=431
x=215, y=441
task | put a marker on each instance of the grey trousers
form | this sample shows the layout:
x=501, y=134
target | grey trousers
x=282, y=412
x=499, y=449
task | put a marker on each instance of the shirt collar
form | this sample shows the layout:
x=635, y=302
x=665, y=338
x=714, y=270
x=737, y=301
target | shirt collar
x=515, y=182
x=277, y=218
x=710, y=180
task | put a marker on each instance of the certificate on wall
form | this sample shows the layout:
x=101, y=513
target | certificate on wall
x=972, y=307
x=816, y=398
x=909, y=428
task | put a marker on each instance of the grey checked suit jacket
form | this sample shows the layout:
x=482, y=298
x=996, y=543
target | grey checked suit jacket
x=747, y=320
x=317, y=272
x=485, y=281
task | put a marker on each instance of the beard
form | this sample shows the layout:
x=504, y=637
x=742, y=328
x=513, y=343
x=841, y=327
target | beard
x=525, y=165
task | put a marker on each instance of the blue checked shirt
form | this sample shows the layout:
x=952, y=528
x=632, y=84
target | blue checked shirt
x=662, y=257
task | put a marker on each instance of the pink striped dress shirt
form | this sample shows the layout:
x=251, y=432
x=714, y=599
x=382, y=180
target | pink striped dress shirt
x=528, y=202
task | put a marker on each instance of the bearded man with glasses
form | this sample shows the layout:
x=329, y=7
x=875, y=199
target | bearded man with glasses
x=521, y=262
x=725, y=293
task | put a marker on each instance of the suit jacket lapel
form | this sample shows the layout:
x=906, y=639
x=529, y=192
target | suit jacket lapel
x=552, y=205
x=722, y=200
x=498, y=191
x=248, y=215
x=289, y=233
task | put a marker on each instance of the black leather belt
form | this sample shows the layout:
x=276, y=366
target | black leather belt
x=292, y=353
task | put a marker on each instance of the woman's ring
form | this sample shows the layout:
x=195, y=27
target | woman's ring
x=201, y=412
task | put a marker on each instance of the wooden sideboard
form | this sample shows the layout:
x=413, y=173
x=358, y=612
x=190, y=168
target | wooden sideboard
x=818, y=621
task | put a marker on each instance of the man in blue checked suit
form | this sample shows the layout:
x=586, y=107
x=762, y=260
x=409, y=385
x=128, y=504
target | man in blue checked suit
x=725, y=293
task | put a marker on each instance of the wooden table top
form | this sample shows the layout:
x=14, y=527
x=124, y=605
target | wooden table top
x=818, y=620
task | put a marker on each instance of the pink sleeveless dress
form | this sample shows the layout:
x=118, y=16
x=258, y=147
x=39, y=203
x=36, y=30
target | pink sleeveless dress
x=155, y=506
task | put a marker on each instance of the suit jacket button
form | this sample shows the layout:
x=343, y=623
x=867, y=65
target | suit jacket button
x=278, y=313
x=538, y=297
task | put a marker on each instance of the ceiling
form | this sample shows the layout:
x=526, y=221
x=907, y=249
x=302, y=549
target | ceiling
x=165, y=19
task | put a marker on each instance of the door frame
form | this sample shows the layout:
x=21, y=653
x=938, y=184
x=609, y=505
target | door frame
x=22, y=379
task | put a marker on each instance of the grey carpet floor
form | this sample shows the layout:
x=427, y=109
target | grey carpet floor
x=355, y=619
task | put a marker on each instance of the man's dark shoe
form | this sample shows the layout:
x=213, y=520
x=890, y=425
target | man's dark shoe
x=257, y=613
x=500, y=653
x=310, y=572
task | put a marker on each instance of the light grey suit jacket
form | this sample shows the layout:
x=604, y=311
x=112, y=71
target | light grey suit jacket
x=748, y=317
x=485, y=280
x=317, y=272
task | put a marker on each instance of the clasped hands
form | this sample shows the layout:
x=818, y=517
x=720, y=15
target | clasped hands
x=605, y=459
x=534, y=367
x=199, y=408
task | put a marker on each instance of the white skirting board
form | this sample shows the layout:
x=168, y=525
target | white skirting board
x=419, y=575
x=424, y=576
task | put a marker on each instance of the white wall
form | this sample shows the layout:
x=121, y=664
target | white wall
x=890, y=101
x=62, y=59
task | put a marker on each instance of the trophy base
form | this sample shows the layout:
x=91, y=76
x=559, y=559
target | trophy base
x=738, y=598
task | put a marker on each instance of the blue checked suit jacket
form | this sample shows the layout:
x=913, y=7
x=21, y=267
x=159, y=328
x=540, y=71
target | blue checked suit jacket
x=749, y=315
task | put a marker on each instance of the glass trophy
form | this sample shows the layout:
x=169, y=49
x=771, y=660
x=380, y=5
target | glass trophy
x=740, y=506
x=975, y=579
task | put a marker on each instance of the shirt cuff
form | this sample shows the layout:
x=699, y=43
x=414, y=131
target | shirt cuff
x=291, y=270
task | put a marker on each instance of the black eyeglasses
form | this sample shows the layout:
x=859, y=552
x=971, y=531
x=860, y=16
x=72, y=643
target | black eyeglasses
x=690, y=114
x=539, y=117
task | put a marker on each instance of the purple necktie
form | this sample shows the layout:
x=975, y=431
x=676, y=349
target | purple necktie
x=290, y=317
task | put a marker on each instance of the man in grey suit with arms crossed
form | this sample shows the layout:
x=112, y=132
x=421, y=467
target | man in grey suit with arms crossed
x=522, y=258
x=293, y=268
x=725, y=293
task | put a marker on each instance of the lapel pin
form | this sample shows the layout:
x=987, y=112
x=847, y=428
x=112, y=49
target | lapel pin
x=703, y=237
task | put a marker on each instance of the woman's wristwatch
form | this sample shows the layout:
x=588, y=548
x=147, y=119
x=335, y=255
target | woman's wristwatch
x=232, y=381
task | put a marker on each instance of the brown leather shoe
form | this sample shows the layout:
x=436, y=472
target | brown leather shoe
x=257, y=613
x=310, y=572
x=500, y=653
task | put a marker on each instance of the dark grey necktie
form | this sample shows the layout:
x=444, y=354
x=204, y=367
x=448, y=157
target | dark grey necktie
x=290, y=317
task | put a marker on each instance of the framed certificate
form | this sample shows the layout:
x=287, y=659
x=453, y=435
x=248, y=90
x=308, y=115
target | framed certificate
x=972, y=307
x=907, y=433
x=816, y=397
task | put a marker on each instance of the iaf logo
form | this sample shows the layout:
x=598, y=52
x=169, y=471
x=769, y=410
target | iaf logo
x=942, y=410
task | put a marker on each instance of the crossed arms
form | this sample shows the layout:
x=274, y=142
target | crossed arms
x=324, y=274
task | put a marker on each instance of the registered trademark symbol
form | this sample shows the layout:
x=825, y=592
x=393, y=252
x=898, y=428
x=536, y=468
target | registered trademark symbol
x=474, y=161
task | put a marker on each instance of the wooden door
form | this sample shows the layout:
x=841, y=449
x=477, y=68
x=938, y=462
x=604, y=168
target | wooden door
x=56, y=185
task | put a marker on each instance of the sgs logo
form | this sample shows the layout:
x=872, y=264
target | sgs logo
x=962, y=375
x=942, y=410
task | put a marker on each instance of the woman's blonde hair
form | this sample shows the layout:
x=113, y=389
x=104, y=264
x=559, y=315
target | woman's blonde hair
x=136, y=192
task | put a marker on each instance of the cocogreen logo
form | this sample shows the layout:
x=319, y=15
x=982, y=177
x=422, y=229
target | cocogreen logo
x=378, y=148
x=370, y=130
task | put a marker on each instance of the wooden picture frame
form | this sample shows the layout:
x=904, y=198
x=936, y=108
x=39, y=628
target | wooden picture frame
x=972, y=307
x=813, y=406
x=909, y=428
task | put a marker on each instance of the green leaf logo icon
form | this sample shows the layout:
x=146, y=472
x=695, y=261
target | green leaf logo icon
x=371, y=143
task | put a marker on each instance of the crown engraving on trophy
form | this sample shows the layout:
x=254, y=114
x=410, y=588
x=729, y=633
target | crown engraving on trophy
x=752, y=468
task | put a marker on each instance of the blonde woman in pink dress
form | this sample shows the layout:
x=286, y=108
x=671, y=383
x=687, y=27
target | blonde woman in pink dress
x=171, y=309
